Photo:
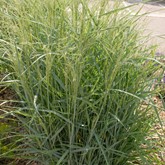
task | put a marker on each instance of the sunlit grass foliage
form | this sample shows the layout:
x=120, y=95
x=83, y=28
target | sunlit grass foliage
x=79, y=69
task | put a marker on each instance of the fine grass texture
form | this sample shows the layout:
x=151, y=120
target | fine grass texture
x=81, y=71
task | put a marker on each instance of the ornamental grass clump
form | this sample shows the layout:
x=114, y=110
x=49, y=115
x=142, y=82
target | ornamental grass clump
x=79, y=69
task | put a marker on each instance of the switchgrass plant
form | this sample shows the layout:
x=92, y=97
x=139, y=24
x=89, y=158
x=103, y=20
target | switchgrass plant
x=82, y=73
